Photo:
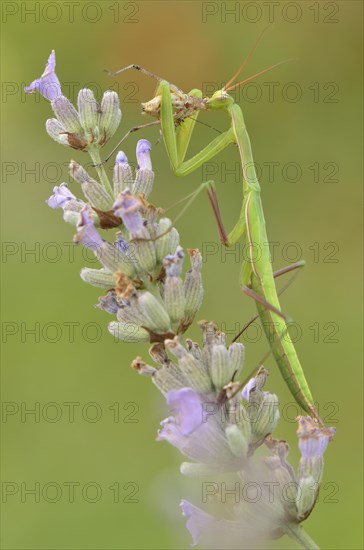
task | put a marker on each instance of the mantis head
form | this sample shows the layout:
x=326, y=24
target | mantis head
x=219, y=100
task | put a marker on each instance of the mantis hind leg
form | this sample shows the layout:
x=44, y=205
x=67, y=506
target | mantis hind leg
x=276, y=274
x=228, y=240
x=239, y=229
x=261, y=300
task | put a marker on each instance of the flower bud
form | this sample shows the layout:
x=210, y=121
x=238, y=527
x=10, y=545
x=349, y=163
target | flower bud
x=110, y=116
x=283, y=474
x=193, y=286
x=167, y=243
x=193, y=371
x=306, y=497
x=145, y=251
x=101, y=278
x=144, y=177
x=174, y=298
x=266, y=417
x=67, y=115
x=93, y=191
x=195, y=349
x=142, y=368
x=156, y=317
x=159, y=355
x=219, y=366
x=209, y=330
x=88, y=114
x=128, y=332
x=263, y=406
x=130, y=312
x=56, y=131
x=123, y=177
x=236, y=359
x=166, y=378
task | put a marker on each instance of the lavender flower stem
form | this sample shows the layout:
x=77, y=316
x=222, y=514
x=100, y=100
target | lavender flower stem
x=96, y=160
x=297, y=533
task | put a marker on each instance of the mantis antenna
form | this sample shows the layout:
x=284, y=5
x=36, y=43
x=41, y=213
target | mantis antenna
x=228, y=87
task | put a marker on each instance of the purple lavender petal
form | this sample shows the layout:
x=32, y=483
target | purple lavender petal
x=121, y=158
x=198, y=521
x=108, y=303
x=188, y=408
x=201, y=440
x=121, y=244
x=61, y=195
x=170, y=432
x=87, y=233
x=173, y=263
x=143, y=154
x=312, y=440
x=247, y=389
x=48, y=84
x=127, y=207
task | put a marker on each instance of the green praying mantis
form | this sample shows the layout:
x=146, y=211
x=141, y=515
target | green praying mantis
x=177, y=113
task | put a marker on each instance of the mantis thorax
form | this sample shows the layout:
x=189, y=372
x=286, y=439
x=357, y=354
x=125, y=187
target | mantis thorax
x=183, y=105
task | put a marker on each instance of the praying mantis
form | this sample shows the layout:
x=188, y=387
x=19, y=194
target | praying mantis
x=177, y=113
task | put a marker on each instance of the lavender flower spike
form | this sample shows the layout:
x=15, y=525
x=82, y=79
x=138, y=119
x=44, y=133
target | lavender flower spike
x=48, y=84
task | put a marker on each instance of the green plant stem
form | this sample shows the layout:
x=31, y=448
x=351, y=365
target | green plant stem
x=297, y=533
x=96, y=160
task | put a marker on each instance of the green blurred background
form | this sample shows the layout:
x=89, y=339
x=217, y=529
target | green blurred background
x=192, y=44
